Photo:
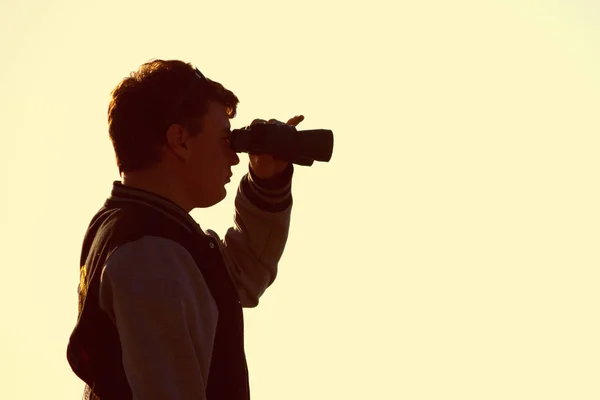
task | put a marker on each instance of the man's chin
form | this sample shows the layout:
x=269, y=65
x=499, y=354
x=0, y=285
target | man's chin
x=222, y=196
x=214, y=200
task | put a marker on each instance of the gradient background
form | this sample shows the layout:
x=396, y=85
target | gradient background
x=449, y=250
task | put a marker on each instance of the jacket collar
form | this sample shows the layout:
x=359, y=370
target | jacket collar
x=128, y=194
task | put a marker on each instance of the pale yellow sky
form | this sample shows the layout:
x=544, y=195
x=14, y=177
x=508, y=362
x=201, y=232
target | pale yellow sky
x=449, y=250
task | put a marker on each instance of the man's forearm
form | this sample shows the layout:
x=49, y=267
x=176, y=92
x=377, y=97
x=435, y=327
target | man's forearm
x=253, y=247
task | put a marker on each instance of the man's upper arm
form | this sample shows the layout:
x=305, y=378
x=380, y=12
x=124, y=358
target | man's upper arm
x=165, y=316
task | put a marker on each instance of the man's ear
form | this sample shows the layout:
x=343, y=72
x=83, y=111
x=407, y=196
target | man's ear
x=177, y=141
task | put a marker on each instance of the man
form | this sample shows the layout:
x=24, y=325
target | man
x=160, y=299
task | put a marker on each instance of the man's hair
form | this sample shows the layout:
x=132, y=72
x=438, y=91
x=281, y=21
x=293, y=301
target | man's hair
x=160, y=93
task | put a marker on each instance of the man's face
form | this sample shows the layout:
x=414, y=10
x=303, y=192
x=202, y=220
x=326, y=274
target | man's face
x=209, y=167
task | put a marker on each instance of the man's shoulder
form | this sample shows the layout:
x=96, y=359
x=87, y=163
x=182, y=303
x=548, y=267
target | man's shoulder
x=129, y=223
x=149, y=259
x=150, y=249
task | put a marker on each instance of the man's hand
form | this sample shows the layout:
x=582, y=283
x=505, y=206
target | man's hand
x=266, y=166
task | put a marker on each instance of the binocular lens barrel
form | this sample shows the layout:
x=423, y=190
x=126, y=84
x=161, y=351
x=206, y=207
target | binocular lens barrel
x=285, y=142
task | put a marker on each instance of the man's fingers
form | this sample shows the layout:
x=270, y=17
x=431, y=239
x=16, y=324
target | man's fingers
x=292, y=121
x=295, y=120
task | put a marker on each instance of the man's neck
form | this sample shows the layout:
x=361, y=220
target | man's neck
x=155, y=182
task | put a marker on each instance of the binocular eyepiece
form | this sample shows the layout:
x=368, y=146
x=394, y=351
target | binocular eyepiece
x=284, y=142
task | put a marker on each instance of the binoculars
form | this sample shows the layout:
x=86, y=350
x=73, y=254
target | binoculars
x=284, y=142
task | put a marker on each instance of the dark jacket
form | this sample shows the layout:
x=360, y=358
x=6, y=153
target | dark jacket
x=160, y=313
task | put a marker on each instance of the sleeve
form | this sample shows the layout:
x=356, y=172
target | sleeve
x=165, y=316
x=253, y=246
